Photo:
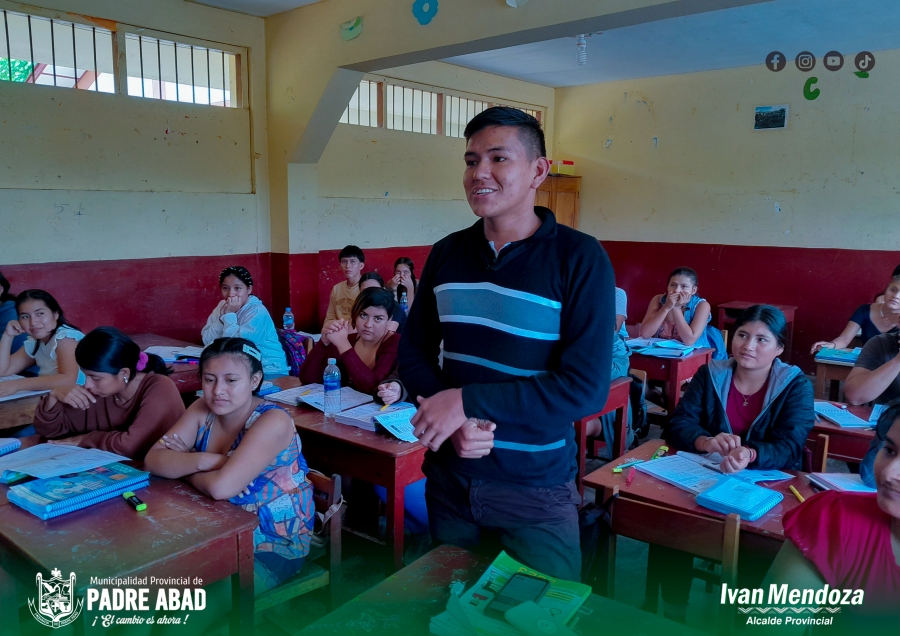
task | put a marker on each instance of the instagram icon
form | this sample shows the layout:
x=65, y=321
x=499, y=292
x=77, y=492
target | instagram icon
x=805, y=61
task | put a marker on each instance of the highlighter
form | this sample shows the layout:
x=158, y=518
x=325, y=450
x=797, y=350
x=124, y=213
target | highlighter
x=135, y=503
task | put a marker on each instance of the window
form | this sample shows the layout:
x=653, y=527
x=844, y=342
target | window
x=173, y=71
x=412, y=108
x=36, y=50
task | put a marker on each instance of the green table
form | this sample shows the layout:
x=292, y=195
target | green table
x=403, y=604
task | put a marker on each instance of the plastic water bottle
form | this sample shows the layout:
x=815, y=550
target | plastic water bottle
x=332, y=382
x=404, y=303
x=287, y=323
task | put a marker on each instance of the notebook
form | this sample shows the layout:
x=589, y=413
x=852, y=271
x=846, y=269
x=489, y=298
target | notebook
x=846, y=357
x=8, y=445
x=18, y=394
x=735, y=496
x=681, y=472
x=364, y=416
x=48, y=498
x=841, y=417
x=52, y=460
x=842, y=482
x=659, y=347
x=314, y=395
x=398, y=424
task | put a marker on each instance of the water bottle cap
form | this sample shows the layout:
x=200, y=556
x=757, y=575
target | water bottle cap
x=332, y=361
x=287, y=308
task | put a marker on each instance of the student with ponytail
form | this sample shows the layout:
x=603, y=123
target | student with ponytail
x=125, y=405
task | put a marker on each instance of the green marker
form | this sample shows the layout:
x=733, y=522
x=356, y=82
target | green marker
x=136, y=503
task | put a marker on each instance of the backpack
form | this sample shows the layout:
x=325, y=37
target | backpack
x=294, y=350
x=714, y=336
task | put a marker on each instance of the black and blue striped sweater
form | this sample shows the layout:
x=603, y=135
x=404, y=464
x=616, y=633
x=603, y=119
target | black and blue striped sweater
x=527, y=336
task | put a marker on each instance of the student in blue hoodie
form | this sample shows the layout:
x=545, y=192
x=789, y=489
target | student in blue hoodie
x=753, y=409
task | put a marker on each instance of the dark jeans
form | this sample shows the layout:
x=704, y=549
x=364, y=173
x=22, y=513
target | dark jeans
x=536, y=526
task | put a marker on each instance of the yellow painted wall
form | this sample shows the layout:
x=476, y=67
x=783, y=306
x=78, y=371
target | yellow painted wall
x=831, y=179
x=379, y=187
x=80, y=171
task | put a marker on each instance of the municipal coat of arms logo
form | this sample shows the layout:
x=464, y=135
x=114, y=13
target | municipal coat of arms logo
x=56, y=605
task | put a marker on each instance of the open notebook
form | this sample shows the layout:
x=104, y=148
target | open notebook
x=841, y=417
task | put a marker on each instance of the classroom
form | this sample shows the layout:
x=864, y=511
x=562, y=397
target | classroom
x=294, y=167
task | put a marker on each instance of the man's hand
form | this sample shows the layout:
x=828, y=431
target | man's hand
x=475, y=438
x=438, y=418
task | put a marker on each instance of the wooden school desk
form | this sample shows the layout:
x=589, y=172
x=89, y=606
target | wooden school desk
x=728, y=313
x=19, y=412
x=181, y=534
x=762, y=537
x=672, y=371
x=185, y=376
x=378, y=458
x=404, y=603
x=829, y=376
x=845, y=444
x=618, y=402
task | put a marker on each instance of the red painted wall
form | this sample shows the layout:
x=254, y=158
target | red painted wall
x=174, y=296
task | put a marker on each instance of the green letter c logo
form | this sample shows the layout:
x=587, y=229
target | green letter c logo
x=811, y=94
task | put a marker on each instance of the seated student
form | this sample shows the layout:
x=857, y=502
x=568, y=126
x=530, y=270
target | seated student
x=621, y=357
x=679, y=314
x=366, y=357
x=404, y=280
x=125, y=405
x=233, y=445
x=851, y=541
x=871, y=320
x=50, y=345
x=876, y=375
x=343, y=294
x=8, y=312
x=867, y=465
x=242, y=315
x=374, y=279
x=754, y=410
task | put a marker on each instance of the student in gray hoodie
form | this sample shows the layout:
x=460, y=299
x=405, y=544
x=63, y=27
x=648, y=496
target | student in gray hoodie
x=753, y=409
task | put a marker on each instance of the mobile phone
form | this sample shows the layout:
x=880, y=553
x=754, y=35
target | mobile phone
x=519, y=589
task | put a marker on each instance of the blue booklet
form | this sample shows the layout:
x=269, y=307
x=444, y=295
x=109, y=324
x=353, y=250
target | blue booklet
x=733, y=495
x=8, y=445
x=54, y=496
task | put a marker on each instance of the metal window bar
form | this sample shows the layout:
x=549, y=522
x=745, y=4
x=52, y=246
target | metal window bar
x=141, y=57
x=193, y=86
x=74, y=56
x=159, y=68
x=8, y=48
x=96, y=66
x=53, y=51
x=31, y=47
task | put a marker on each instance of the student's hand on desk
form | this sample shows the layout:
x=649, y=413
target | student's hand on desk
x=75, y=396
x=232, y=305
x=736, y=461
x=8, y=388
x=822, y=344
x=723, y=443
x=13, y=329
x=438, y=417
x=474, y=439
x=389, y=392
x=75, y=440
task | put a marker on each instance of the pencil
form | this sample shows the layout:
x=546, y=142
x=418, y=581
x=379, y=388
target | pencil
x=797, y=494
x=305, y=392
x=384, y=407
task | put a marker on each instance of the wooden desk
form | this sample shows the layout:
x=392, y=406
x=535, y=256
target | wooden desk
x=728, y=312
x=20, y=412
x=829, y=376
x=181, y=534
x=762, y=537
x=405, y=603
x=845, y=444
x=185, y=376
x=378, y=458
x=618, y=402
x=672, y=371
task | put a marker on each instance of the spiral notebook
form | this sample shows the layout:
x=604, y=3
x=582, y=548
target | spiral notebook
x=735, y=496
x=8, y=445
x=55, y=496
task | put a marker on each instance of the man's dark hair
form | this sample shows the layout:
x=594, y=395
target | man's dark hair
x=530, y=133
x=351, y=251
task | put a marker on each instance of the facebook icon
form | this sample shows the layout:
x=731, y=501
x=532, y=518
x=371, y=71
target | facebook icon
x=775, y=61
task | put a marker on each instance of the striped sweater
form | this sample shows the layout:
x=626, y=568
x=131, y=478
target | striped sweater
x=527, y=336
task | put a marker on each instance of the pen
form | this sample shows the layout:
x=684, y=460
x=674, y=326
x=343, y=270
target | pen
x=797, y=494
x=630, y=476
x=628, y=464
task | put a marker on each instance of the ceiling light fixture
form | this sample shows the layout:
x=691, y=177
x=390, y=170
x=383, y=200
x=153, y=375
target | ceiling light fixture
x=581, y=47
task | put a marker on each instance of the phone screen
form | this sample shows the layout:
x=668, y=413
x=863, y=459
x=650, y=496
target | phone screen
x=519, y=588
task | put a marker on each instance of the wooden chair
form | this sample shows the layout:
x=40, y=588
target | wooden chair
x=815, y=454
x=328, y=502
x=712, y=539
x=588, y=446
x=725, y=338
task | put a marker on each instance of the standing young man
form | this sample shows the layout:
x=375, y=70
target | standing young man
x=526, y=311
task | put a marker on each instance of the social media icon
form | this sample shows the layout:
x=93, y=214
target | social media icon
x=865, y=61
x=833, y=61
x=775, y=61
x=805, y=61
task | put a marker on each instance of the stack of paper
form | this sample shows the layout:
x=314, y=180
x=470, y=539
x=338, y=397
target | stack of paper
x=842, y=482
x=398, y=424
x=845, y=357
x=314, y=395
x=364, y=416
x=678, y=471
x=176, y=354
x=18, y=394
x=659, y=347
x=841, y=417
x=735, y=496
x=465, y=614
x=713, y=461
x=52, y=460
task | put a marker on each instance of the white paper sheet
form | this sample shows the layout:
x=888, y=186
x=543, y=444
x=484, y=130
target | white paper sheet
x=53, y=460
